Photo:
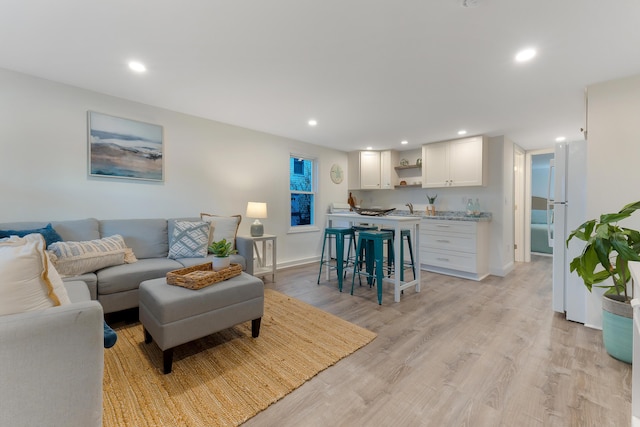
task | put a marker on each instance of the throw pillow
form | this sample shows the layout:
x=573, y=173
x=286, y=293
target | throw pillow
x=76, y=258
x=222, y=227
x=189, y=240
x=29, y=280
x=50, y=235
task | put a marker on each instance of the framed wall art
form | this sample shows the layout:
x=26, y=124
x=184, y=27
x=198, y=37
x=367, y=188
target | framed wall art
x=123, y=148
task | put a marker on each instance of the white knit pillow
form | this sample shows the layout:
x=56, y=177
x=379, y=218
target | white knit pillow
x=222, y=227
x=28, y=279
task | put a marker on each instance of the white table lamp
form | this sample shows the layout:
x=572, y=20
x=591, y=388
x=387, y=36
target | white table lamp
x=257, y=210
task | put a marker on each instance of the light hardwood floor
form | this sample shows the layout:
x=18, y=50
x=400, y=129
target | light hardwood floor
x=459, y=353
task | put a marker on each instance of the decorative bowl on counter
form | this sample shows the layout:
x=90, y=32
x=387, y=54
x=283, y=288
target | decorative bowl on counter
x=373, y=212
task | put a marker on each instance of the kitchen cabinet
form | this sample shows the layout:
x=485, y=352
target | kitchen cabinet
x=456, y=248
x=457, y=163
x=371, y=170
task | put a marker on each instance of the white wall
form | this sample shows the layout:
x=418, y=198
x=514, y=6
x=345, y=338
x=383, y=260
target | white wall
x=613, y=171
x=496, y=197
x=209, y=166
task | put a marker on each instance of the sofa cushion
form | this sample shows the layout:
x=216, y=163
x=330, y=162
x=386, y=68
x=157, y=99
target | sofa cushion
x=222, y=227
x=75, y=258
x=147, y=237
x=29, y=280
x=50, y=235
x=189, y=239
x=78, y=230
x=126, y=277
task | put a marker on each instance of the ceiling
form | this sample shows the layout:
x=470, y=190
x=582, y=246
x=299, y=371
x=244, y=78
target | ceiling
x=371, y=72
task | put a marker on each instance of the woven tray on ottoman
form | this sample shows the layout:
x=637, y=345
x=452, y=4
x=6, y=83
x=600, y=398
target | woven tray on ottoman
x=201, y=275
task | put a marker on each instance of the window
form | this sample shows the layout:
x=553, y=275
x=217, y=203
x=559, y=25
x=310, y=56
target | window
x=298, y=166
x=302, y=187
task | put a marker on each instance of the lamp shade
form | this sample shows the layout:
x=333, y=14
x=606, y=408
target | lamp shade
x=256, y=210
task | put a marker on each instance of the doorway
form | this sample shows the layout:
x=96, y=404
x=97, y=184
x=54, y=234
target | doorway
x=535, y=213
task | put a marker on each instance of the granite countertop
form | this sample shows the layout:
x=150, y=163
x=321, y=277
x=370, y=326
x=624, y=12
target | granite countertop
x=448, y=215
x=459, y=216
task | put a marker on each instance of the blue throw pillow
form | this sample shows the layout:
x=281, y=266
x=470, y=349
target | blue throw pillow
x=50, y=235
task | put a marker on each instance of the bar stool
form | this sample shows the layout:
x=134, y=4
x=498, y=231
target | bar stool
x=404, y=233
x=339, y=234
x=363, y=251
x=375, y=240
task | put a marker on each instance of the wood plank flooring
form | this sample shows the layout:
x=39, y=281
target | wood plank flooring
x=459, y=353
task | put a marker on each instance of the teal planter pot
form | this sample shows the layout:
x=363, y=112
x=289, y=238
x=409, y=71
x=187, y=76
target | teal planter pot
x=617, y=329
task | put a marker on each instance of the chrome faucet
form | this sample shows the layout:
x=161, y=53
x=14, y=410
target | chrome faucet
x=410, y=205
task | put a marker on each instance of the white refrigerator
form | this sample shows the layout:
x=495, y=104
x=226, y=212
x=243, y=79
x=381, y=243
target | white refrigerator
x=566, y=210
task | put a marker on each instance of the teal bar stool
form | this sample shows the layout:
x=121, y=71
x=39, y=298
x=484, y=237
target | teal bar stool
x=405, y=234
x=375, y=241
x=363, y=250
x=339, y=234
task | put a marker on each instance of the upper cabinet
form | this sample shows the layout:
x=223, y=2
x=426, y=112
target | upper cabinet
x=457, y=163
x=371, y=170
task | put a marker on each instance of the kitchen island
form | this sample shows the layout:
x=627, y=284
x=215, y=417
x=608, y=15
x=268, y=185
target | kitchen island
x=396, y=222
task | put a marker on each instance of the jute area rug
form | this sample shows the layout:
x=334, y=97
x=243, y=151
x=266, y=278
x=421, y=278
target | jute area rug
x=228, y=377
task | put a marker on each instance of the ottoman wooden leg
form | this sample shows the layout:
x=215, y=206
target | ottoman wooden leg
x=167, y=359
x=255, y=327
x=147, y=336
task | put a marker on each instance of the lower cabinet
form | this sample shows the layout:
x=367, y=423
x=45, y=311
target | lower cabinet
x=456, y=248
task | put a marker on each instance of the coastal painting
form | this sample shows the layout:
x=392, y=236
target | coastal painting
x=123, y=148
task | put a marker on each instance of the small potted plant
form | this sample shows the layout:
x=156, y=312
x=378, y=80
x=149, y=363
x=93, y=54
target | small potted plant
x=221, y=251
x=431, y=207
x=609, y=249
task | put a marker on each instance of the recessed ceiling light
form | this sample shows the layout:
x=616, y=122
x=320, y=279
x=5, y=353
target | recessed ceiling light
x=462, y=132
x=312, y=122
x=560, y=139
x=525, y=55
x=369, y=148
x=405, y=142
x=137, y=66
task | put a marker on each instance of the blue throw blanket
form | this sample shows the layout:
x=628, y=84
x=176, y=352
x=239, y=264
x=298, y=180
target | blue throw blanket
x=110, y=336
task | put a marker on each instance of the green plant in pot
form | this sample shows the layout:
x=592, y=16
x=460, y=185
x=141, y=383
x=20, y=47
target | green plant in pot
x=606, y=256
x=221, y=251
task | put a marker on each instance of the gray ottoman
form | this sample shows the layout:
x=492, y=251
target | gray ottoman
x=173, y=315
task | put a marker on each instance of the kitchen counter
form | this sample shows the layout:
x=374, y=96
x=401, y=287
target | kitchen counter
x=447, y=215
x=459, y=216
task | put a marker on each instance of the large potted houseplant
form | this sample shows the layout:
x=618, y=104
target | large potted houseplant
x=606, y=256
x=221, y=251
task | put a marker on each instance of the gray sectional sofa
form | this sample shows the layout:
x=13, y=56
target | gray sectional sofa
x=51, y=364
x=116, y=287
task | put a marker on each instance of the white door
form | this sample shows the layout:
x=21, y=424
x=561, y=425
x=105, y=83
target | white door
x=560, y=265
x=519, y=205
